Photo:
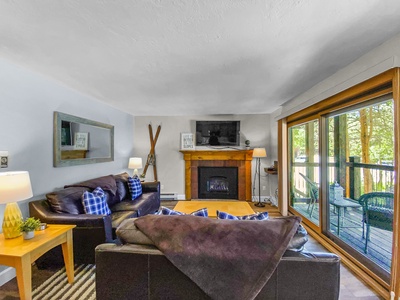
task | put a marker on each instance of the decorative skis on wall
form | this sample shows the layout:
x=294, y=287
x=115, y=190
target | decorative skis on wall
x=151, y=158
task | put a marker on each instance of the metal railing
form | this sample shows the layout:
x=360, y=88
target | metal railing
x=381, y=176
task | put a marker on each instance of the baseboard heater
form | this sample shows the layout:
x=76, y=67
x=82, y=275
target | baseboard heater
x=169, y=196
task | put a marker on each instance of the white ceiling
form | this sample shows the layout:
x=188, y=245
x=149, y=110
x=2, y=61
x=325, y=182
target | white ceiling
x=188, y=57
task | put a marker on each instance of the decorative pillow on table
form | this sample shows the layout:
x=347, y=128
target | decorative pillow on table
x=135, y=187
x=257, y=216
x=95, y=203
x=202, y=212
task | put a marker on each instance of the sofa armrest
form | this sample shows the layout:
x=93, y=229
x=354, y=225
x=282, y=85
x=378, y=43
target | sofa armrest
x=151, y=186
x=91, y=231
x=41, y=210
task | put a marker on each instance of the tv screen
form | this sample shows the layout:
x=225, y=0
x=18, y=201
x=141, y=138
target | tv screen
x=217, y=133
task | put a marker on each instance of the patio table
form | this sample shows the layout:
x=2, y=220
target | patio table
x=341, y=206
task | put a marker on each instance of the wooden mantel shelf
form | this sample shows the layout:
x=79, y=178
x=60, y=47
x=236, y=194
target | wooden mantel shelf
x=217, y=154
x=218, y=158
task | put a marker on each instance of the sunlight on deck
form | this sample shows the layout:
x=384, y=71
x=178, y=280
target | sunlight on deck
x=351, y=232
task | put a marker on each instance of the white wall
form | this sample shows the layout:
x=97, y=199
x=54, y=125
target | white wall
x=170, y=163
x=27, y=103
x=380, y=59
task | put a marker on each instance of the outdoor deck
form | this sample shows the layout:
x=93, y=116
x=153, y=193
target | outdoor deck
x=379, y=246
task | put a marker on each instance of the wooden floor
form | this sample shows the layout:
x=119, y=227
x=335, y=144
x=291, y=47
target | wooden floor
x=350, y=288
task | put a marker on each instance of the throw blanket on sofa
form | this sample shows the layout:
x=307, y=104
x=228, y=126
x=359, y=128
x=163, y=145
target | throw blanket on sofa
x=227, y=259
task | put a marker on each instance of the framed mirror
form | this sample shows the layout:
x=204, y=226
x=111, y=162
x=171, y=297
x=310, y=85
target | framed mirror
x=79, y=141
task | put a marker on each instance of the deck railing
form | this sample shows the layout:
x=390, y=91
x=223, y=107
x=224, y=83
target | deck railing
x=381, y=175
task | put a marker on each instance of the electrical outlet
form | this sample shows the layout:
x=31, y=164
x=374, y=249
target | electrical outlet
x=264, y=187
x=162, y=186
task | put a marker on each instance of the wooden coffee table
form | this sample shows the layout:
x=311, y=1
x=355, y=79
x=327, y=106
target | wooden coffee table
x=236, y=208
x=20, y=254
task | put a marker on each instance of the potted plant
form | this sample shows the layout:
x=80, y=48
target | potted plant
x=28, y=227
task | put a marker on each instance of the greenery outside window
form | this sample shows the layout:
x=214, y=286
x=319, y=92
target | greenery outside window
x=338, y=160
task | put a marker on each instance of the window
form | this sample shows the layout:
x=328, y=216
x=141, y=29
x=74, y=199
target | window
x=360, y=151
x=304, y=169
x=340, y=157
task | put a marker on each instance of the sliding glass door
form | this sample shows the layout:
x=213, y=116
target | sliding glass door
x=304, y=168
x=360, y=181
x=340, y=160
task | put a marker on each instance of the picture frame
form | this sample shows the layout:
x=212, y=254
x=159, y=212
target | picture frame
x=81, y=141
x=187, y=141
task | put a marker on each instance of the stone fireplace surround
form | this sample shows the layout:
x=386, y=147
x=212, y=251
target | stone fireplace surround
x=218, y=158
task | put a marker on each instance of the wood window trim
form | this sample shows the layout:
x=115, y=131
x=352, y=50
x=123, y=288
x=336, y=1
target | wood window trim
x=387, y=82
x=348, y=97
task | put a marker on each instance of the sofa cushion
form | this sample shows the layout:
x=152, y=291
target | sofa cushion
x=95, y=203
x=147, y=203
x=128, y=233
x=202, y=212
x=298, y=240
x=120, y=216
x=121, y=181
x=67, y=200
x=107, y=184
x=257, y=216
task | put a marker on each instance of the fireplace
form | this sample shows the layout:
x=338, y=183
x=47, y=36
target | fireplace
x=238, y=159
x=218, y=182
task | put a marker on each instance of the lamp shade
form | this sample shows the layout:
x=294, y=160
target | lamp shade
x=15, y=186
x=135, y=163
x=259, y=152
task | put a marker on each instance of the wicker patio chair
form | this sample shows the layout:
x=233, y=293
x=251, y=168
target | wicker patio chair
x=313, y=192
x=377, y=212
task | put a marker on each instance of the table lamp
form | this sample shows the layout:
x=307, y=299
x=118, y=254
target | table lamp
x=258, y=153
x=135, y=163
x=14, y=186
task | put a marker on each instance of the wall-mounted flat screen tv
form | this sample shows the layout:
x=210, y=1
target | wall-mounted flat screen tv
x=217, y=133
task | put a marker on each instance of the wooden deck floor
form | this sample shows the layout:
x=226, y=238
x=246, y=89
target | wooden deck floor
x=379, y=246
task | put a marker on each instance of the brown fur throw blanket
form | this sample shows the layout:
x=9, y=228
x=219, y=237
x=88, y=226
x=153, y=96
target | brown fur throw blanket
x=227, y=259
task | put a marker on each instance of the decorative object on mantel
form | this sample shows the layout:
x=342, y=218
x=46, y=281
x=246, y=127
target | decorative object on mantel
x=135, y=163
x=151, y=157
x=187, y=141
x=258, y=153
x=247, y=143
x=14, y=186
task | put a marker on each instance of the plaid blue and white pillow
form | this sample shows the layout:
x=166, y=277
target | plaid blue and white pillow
x=168, y=212
x=257, y=216
x=135, y=187
x=203, y=212
x=95, y=202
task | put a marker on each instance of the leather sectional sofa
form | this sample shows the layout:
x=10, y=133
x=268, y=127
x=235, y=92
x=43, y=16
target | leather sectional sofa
x=65, y=207
x=139, y=270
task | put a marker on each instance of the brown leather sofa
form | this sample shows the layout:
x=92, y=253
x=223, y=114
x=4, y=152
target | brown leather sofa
x=141, y=271
x=65, y=207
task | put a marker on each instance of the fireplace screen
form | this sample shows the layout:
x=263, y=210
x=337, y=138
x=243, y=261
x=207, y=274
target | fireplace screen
x=218, y=182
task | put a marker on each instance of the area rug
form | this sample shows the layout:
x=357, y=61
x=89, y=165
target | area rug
x=57, y=286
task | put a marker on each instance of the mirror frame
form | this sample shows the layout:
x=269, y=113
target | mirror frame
x=57, y=161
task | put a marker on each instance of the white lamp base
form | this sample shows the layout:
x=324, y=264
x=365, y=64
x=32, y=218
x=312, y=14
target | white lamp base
x=12, y=220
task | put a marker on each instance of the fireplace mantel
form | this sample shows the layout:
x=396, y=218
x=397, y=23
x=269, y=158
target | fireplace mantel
x=218, y=158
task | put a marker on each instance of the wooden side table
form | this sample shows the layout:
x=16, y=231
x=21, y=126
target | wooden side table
x=20, y=254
